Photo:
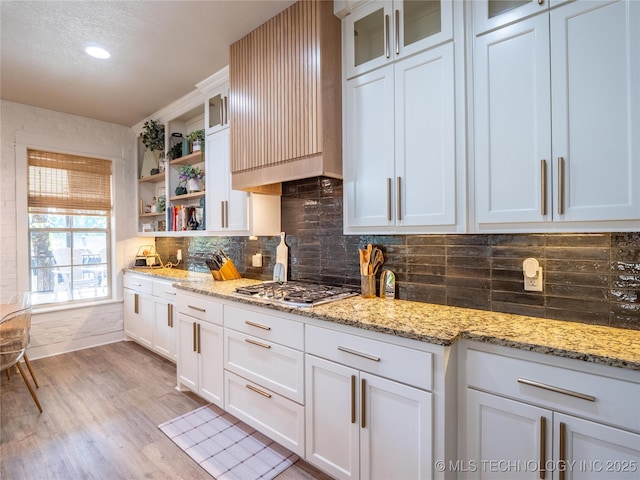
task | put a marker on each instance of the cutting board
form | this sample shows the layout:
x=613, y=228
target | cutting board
x=282, y=255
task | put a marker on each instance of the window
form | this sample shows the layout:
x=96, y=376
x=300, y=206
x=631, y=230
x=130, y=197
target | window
x=69, y=210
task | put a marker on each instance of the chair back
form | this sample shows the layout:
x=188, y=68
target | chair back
x=15, y=330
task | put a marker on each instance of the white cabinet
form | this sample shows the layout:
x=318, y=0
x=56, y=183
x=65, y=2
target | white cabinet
x=360, y=424
x=164, y=295
x=138, y=309
x=537, y=417
x=490, y=14
x=235, y=212
x=383, y=31
x=400, y=163
x=200, y=346
x=571, y=160
x=264, y=373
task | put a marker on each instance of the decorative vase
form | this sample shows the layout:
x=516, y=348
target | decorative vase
x=194, y=185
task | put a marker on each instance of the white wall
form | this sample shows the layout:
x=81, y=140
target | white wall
x=57, y=331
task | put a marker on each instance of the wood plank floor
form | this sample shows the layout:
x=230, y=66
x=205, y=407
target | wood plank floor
x=102, y=407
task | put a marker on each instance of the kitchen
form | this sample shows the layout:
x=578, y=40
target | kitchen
x=460, y=264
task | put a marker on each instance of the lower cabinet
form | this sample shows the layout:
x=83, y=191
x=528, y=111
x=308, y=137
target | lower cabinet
x=164, y=319
x=200, y=346
x=360, y=425
x=557, y=424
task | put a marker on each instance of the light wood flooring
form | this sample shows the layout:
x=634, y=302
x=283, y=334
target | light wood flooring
x=102, y=407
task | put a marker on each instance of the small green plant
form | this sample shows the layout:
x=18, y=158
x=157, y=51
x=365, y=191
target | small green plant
x=153, y=135
x=196, y=135
x=188, y=172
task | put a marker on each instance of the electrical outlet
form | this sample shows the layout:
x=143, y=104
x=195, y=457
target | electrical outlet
x=179, y=254
x=533, y=284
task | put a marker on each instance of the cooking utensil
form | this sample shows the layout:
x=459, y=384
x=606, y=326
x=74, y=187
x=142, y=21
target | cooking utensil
x=376, y=261
x=282, y=258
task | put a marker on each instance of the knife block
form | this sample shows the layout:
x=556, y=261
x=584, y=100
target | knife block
x=227, y=272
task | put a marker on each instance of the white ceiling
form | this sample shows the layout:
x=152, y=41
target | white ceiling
x=159, y=51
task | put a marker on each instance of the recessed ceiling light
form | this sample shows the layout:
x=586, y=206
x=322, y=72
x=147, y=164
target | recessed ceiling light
x=97, y=52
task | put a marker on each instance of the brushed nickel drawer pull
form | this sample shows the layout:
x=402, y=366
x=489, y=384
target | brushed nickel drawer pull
x=551, y=388
x=197, y=308
x=226, y=110
x=257, y=390
x=388, y=199
x=353, y=399
x=137, y=284
x=257, y=325
x=199, y=339
x=169, y=315
x=560, y=185
x=195, y=338
x=169, y=293
x=259, y=344
x=386, y=31
x=543, y=448
x=399, y=198
x=222, y=214
x=543, y=187
x=397, y=32
x=135, y=303
x=363, y=402
x=359, y=354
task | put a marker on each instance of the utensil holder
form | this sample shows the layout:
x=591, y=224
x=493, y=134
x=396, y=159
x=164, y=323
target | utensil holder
x=368, y=286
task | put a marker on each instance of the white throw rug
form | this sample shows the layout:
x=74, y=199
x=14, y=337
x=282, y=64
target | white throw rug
x=227, y=448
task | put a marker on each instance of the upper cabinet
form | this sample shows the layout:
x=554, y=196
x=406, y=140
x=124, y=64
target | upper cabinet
x=383, y=31
x=490, y=14
x=285, y=98
x=216, y=112
x=557, y=119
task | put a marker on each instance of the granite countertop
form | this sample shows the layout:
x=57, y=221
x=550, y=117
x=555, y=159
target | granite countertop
x=170, y=273
x=443, y=325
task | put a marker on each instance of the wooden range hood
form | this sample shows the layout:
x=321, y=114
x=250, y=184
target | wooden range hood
x=285, y=99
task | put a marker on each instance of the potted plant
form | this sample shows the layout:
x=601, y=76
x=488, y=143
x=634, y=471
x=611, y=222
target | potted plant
x=153, y=141
x=191, y=177
x=197, y=140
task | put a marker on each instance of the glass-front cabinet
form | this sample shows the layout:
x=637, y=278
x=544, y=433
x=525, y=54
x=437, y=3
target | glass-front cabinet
x=490, y=14
x=217, y=110
x=384, y=31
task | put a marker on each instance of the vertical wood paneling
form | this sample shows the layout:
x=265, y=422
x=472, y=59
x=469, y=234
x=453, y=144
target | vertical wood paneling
x=276, y=88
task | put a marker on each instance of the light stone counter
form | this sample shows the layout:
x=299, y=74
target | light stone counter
x=443, y=325
x=170, y=273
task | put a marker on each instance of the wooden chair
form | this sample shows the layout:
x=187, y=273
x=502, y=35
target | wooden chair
x=15, y=330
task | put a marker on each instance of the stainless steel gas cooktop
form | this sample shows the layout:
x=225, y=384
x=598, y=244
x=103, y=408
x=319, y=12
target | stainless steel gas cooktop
x=295, y=294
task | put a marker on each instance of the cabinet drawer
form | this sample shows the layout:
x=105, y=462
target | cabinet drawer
x=597, y=397
x=200, y=307
x=138, y=283
x=278, y=368
x=277, y=417
x=268, y=327
x=402, y=364
x=164, y=290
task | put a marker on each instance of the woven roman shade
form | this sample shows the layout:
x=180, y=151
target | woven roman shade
x=68, y=182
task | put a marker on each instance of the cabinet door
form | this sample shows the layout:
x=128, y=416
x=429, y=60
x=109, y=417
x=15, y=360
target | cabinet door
x=332, y=406
x=593, y=450
x=187, y=352
x=227, y=210
x=511, y=120
x=420, y=24
x=498, y=429
x=369, y=170
x=395, y=430
x=210, y=367
x=138, y=316
x=367, y=42
x=216, y=113
x=595, y=67
x=425, y=188
x=490, y=14
x=163, y=336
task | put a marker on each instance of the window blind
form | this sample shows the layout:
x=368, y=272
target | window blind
x=68, y=182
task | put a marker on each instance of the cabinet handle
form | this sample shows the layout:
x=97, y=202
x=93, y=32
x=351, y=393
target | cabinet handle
x=222, y=214
x=543, y=447
x=137, y=284
x=386, y=31
x=257, y=325
x=226, y=110
x=169, y=315
x=353, y=399
x=221, y=110
x=226, y=213
x=363, y=413
x=397, y=32
x=169, y=293
x=135, y=303
x=551, y=388
x=257, y=390
x=359, y=354
x=560, y=185
x=562, y=461
x=399, y=198
x=195, y=334
x=198, y=338
x=389, y=199
x=197, y=308
x=259, y=344
x=543, y=187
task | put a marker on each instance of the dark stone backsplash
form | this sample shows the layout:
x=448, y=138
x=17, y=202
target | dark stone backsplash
x=591, y=278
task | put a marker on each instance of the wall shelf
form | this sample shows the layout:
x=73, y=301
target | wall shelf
x=158, y=177
x=188, y=196
x=195, y=157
